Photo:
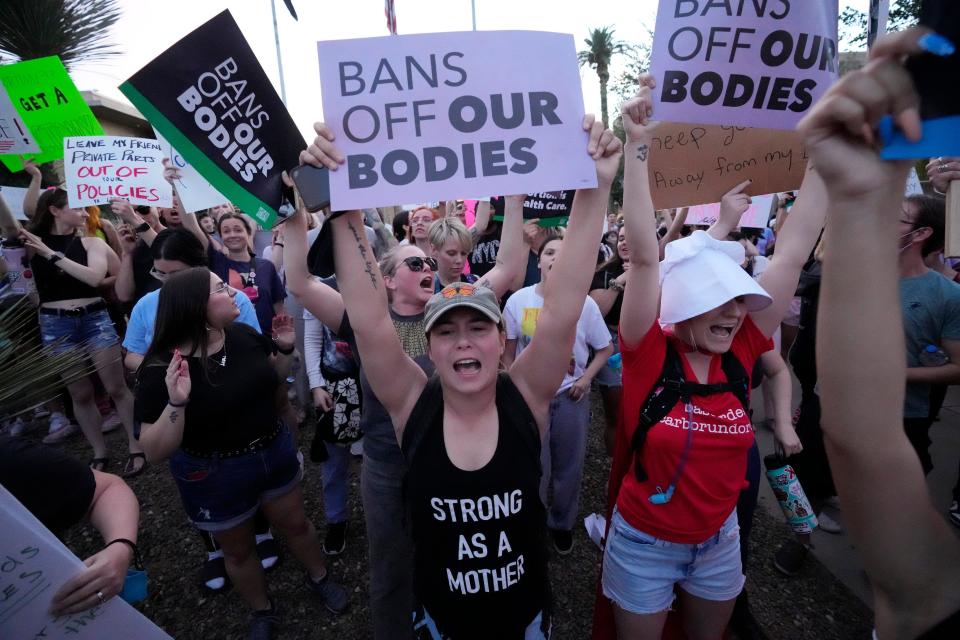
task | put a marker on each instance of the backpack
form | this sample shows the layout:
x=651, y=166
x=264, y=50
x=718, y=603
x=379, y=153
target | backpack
x=672, y=387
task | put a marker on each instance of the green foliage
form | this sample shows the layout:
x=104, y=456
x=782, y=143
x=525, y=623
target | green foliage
x=602, y=46
x=903, y=14
x=30, y=373
x=75, y=30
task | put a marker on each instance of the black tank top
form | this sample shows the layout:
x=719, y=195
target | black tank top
x=54, y=284
x=947, y=629
x=480, y=557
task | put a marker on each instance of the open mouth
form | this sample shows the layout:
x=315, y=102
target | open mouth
x=426, y=282
x=467, y=365
x=722, y=330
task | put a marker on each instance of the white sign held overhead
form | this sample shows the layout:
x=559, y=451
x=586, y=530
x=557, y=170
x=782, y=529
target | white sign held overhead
x=103, y=168
x=15, y=138
x=195, y=192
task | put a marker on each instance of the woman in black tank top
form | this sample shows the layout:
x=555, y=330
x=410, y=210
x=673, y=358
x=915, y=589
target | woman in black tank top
x=68, y=268
x=909, y=552
x=470, y=435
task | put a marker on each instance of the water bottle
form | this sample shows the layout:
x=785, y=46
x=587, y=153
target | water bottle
x=793, y=501
x=933, y=356
x=615, y=362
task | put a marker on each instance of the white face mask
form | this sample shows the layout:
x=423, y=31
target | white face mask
x=907, y=245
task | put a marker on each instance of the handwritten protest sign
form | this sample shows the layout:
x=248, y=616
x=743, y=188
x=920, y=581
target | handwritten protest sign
x=49, y=105
x=435, y=116
x=693, y=164
x=101, y=168
x=15, y=137
x=754, y=64
x=755, y=217
x=208, y=95
x=33, y=565
x=194, y=191
x=552, y=208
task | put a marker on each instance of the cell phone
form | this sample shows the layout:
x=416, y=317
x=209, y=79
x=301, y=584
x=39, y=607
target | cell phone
x=313, y=185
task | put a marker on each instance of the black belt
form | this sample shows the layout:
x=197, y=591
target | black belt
x=76, y=312
x=253, y=446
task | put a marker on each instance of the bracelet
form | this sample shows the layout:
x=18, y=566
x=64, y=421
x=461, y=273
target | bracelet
x=142, y=228
x=137, y=560
x=278, y=244
x=173, y=404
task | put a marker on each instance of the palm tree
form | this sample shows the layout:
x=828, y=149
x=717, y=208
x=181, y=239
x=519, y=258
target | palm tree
x=601, y=47
x=75, y=30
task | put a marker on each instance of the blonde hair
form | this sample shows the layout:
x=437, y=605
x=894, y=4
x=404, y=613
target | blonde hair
x=446, y=228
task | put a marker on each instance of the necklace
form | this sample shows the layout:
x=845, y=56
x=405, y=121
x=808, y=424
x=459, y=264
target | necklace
x=223, y=359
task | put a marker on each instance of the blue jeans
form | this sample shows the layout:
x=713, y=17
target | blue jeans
x=562, y=459
x=390, y=549
x=334, y=471
x=218, y=494
x=90, y=331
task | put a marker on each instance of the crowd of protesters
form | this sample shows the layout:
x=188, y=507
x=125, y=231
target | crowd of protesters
x=461, y=352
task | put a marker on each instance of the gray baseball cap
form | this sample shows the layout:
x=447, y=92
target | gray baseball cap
x=461, y=294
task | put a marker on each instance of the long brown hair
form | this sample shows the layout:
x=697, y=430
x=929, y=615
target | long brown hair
x=181, y=316
x=43, y=218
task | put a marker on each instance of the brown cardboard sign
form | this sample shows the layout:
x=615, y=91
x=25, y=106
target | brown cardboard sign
x=693, y=164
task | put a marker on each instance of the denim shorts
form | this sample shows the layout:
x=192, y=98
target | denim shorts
x=425, y=627
x=89, y=331
x=640, y=571
x=220, y=493
x=609, y=376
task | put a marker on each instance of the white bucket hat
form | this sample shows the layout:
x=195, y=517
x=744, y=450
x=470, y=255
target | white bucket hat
x=699, y=273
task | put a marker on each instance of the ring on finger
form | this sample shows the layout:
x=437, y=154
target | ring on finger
x=99, y=595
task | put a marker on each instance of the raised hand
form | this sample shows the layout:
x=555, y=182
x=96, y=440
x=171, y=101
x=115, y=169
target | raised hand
x=127, y=213
x=604, y=147
x=637, y=112
x=322, y=152
x=31, y=168
x=34, y=242
x=735, y=203
x=128, y=238
x=170, y=173
x=178, y=379
x=283, y=331
x=943, y=171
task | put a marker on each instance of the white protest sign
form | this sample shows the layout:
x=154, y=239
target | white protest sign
x=755, y=217
x=436, y=116
x=33, y=566
x=15, y=138
x=195, y=192
x=101, y=168
x=752, y=64
x=914, y=188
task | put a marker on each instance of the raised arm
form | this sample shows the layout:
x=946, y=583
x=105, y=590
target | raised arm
x=908, y=551
x=539, y=369
x=8, y=224
x=673, y=231
x=641, y=295
x=33, y=189
x=325, y=303
x=512, y=254
x=732, y=207
x=796, y=241
x=189, y=220
x=394, y=377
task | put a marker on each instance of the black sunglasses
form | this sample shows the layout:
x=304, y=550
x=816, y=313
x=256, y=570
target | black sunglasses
x=415, y=263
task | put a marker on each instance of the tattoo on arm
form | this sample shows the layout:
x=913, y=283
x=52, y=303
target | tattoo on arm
x=367, y=264
x=173, y=416
x=642, y=152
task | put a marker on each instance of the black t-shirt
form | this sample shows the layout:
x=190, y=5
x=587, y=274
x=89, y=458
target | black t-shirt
x=54, y=487
x=230, y=406
x=601, y=280
x=480, y=563
x=483, y=258
x=143, y=282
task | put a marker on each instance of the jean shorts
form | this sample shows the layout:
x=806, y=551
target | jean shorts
x=221, y=493
x=609, y=376
x=640, y=571
x=89, y=331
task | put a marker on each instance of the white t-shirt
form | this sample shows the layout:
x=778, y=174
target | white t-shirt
x=522, y=311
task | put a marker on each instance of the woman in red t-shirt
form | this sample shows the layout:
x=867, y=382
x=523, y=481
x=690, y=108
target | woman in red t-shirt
x=674, y=521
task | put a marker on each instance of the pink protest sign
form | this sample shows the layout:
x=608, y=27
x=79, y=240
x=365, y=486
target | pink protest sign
x=755, y=217
x=752, y=63
x=439, y=116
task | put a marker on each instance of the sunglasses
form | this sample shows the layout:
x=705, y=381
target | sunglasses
x=416, y=263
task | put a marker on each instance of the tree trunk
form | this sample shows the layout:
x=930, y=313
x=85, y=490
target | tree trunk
x=604, y=78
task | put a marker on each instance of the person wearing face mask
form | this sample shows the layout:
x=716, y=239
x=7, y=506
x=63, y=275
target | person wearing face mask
x=408, y=278
x=566, y=443
x=691, y=331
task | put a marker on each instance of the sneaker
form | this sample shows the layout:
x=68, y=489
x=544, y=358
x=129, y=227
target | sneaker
x=331, y=594
x=562, y=541
x=833, y=502
x=828, y=524
x=60, y=429
x=41, y=412
x=790, y=557
x=213, y=574
x=336, y=540
x=110, y=422
x=17, y=427
x=263, y=623
x=267, y=551
x=954, y=513
x=356, y=449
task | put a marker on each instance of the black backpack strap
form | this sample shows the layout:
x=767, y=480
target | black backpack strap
x=738, y=380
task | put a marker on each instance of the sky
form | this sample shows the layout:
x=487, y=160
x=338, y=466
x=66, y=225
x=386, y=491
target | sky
x=147, y=28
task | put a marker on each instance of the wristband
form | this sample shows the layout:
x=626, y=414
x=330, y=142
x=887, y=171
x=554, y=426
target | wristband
x=137, y=560
x=173, y=404
x=278, y=244
x=142, y=228
x=55, y=257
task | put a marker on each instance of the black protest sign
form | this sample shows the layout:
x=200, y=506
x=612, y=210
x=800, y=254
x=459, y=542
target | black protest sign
x=552, y=208
x=209, y=96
